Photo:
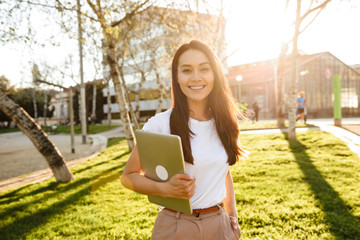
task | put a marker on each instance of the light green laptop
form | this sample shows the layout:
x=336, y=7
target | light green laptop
x=161, y=158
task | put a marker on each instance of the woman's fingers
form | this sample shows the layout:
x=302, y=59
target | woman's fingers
x=182, y=186
x=234, y=222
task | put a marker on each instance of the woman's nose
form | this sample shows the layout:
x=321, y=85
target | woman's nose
x=195, y=76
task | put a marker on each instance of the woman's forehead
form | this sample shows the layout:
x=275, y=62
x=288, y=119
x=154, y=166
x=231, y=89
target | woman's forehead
x=193, y=57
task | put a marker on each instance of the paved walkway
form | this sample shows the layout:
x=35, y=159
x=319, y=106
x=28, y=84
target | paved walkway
x=23, y=177
x=349, y=133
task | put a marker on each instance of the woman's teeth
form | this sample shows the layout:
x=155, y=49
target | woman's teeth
x=196, y=87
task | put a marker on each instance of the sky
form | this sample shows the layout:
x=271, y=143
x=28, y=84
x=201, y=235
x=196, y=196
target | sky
x=257, y=29
x=254, y=32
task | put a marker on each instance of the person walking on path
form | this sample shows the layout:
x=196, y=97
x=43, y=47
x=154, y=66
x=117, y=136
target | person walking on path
x=300, y=102
x=256, y=109
x=203, y=116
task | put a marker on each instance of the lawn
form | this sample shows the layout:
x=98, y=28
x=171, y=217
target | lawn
x=246, y=125
x=306, y=189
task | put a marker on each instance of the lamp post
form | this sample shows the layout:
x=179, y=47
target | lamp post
x=239, y=78
x=83, y=118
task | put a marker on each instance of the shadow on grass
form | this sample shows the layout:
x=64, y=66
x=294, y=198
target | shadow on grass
x=50, y=186
x=21, y=226
x=342, y=224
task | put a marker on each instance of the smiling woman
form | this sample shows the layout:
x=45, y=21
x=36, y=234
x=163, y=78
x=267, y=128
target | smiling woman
x=203, y=116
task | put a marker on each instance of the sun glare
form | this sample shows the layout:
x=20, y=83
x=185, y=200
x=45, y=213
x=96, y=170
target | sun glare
x=258, y=30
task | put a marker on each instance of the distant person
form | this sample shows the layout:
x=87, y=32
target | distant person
x=300, y=103
x=203, y=116
x=305, y=111
x=256, y=109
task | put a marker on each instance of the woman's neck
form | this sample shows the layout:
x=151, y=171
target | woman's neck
x=199, y=111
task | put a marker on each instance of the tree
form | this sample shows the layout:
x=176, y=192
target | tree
x=24, y=97
x=38, y=137
x=104, y=13
x=279, y=87
x=294, y=77
x=8, y=90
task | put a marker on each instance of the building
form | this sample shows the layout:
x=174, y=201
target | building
x=257, y=80
x=60, y=102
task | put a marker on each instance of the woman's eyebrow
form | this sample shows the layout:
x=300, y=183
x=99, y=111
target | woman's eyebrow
x=188, y=65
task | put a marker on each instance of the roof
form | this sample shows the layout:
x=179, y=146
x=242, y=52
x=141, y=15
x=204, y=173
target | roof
x=264, y=71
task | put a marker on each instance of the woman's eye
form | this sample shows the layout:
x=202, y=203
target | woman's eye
x=205, y=69
x=186, y=70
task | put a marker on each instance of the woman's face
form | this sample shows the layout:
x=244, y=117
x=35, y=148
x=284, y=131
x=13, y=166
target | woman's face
x=195, y=76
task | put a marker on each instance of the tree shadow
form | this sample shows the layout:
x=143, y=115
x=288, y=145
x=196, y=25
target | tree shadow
x=18, y=228
x=342, y=224
x=52, y=185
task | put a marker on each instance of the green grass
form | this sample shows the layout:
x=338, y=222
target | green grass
x=93, y=129
x=306, y=189
x=8, y=130
x=245, y=125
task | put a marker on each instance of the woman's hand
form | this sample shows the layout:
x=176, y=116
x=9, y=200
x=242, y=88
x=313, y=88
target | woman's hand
x=180, y=186
x=234, y=222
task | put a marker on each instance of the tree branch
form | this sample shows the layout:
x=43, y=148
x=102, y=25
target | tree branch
x=323, y=5
x=61, y=6
x=132, y=13
x=101, y=18
x=311, y=21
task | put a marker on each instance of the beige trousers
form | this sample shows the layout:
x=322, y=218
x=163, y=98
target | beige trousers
x=215, y=225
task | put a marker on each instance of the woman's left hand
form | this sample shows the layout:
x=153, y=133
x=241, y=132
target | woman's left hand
x=234, y=223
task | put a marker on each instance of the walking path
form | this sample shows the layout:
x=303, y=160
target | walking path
x=22, y=164
x=350, y=134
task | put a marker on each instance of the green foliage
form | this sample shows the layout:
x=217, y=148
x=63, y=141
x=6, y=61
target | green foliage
x=305, y=189
x=24, y=97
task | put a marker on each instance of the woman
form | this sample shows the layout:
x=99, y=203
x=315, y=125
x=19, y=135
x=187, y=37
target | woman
x=202, y=114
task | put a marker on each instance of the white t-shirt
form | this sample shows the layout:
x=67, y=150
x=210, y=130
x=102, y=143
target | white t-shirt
x=210, y=159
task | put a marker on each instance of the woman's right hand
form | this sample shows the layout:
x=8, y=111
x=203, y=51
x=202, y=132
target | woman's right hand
x=180, y=186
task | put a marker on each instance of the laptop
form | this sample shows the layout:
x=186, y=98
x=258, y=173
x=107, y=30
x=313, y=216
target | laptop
x=161, y=158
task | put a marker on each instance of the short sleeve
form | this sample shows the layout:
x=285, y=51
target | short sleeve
x=160, y=123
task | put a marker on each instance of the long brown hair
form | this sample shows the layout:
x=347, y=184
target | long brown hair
x=220, y=102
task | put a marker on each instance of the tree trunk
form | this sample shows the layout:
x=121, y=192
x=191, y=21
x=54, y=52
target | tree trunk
x=93, y=112
x=137, y=101
x=279, y=86
x=34, y=103
x=137, y=97
x=294, y=78
x=79, y=104
x=161, y=92
x=45, y=107
x=108, y=98
x=38, y=137
x=120, y=94
x=132, y=113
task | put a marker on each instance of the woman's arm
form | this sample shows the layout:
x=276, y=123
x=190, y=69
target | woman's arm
x=179, y=186
x=229, y=201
